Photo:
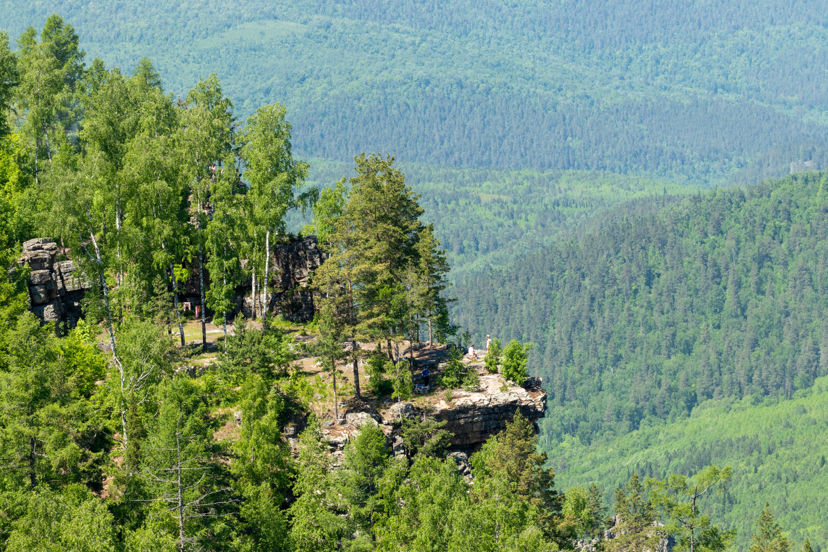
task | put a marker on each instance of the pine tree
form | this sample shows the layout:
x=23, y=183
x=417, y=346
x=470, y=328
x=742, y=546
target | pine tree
x=768, y=535
x=680, y=499
x=314, y=520
x=328, y=347
x=634, y=530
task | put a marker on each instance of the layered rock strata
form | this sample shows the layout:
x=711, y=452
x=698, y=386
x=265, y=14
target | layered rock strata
x=55, y=287
x=471, y=417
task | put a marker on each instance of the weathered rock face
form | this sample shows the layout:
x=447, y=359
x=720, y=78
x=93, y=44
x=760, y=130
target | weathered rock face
x=55, y=287
x=666, y=542
x=291, y=264
x=474, y=417
x=471, y=417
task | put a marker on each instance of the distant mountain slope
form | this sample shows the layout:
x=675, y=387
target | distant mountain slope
x=722, y=295
x=490, y=218
x=688, y=92
x=777, y=451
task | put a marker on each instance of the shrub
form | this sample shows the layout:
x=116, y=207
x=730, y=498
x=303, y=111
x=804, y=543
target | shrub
x=493, y=356
x=403, y=384
x=514, y=361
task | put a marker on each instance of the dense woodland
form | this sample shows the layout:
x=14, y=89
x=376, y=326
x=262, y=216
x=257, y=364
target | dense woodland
x=719, y=296
x=108, y=443
x=694, y=93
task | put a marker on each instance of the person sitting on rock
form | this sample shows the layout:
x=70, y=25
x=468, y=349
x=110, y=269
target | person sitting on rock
x=472, y=354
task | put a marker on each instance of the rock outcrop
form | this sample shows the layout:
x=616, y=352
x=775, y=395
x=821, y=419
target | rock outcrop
x=474, y=417
x=292, y=264
x=55, y=287
x=471, y=417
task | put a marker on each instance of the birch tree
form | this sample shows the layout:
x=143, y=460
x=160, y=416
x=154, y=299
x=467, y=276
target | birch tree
x=207, y=136
x=274, y=178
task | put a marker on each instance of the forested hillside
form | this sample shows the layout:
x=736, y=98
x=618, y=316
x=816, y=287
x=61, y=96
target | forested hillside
x=776, y=448
x=720, y=296
x=693, y=93
x=490, y=218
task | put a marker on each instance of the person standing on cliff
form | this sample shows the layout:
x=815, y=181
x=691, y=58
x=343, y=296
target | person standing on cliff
x=488, y=342
x=426, y=376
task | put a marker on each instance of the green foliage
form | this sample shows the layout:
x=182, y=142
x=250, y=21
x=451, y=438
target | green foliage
x=734, y=273
x=314, y=520
x=375, y=368
x=402, y=382
x=515, y=358
x=47, y=437
x=85, y=364
x=621, y=88
x=635, y=513
x=72, y=520
x=768, y=536
x=454, y=370
x=680, y=499
x=366, y=459
x=425, y=437
x=262, y=467
x=774, y=448
x=583, y=512
x=493, y=356
x=268, y=354
x=471, y=381
x=326, y=211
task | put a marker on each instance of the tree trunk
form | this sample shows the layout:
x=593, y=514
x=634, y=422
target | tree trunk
x=336, y=397
x=48, y=147
x=264, y=283
x=224, y=287
x=32, y=461
x=201, y=281
x=111, y=329
x=356, y=368
x=254, y=294
x=37, y=146
x=175, y=302
x=180, y=496
x=430, y=333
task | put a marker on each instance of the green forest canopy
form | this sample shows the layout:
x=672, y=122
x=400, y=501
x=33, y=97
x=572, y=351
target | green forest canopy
x=693, y=93
x=736, y=274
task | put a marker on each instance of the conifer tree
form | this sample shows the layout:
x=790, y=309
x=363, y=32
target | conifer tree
x=768, y=535
x=634, y=530
x=433, y=272
x=680, y=498
x=315, y=523
x=328, y=347
x=178, y=467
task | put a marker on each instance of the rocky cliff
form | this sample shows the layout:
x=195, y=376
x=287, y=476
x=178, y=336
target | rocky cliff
x=471, y=417
x=55, y=287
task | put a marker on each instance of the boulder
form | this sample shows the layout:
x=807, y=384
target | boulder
x=40, y=277
x=399, y=411
x=359, y=419
x=56, y=289
x=39, y=260
x=39, y=295
x=50, y=312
